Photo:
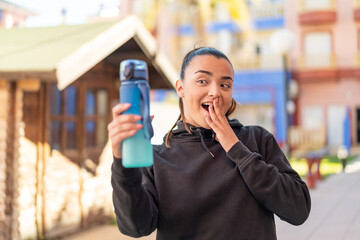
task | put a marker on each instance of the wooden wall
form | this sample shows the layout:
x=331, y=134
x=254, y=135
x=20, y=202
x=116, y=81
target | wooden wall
x=43, y=193
x=63, y=196
x=4, y=98
x=32, y=164
x=10, y=121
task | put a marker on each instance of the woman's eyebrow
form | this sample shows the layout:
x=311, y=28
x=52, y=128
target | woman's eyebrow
x=227, y=78
x=210, y=74
x=204, y=71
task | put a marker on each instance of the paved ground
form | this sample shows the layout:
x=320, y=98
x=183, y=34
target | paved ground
x=335, y=213
x=106, y=232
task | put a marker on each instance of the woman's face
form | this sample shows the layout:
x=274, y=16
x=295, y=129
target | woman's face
x=206, y=78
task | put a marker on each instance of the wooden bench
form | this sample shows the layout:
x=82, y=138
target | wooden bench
x=311, y=145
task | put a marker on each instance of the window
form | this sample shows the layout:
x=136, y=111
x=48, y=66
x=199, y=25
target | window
x=318, y=49
x=313, y=117
x=63, y=118
x=336, y=115
x=96, y=116
x=78, y=118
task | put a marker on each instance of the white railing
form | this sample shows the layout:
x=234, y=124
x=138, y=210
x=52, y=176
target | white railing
x=313, y=5
x=267, y=10
x=303, y=140
x=323, y=61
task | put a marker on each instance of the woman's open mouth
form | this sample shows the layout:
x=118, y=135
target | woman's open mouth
x=206, y=106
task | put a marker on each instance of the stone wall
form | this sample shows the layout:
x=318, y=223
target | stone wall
x=97, y=190
x=27, y=171
x=61, y=200
x=75, y=198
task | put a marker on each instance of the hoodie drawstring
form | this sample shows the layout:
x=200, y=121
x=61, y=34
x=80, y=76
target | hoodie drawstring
x=203, y=143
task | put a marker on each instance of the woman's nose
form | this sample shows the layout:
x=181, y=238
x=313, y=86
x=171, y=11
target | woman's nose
x=214, y=91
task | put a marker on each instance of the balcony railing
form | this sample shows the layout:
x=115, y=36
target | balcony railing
x=313, y=12
x=318, y=61
x=316, y=5
x=256, y=62
x=267, y=10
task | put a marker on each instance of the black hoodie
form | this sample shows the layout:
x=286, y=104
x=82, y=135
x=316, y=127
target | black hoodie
x=195, y=190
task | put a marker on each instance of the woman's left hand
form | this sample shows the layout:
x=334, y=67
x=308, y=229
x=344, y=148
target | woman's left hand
x=219, y=123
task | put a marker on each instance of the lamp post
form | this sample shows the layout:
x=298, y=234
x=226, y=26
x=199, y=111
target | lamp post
x=281, y=42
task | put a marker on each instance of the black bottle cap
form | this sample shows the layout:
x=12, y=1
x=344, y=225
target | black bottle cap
x=133, y=69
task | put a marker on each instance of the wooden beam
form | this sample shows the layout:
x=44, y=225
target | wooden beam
x=3, y=83
x=40, y=218
x=43, y=75
x=32, y=85
x=12, y=161
x=116, y=57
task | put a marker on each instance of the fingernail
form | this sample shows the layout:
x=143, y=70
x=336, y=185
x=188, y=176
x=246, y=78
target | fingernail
x=138, y=117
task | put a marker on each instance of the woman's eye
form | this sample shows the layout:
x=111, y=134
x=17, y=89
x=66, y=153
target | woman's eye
x=201, y=81
x=225, y=85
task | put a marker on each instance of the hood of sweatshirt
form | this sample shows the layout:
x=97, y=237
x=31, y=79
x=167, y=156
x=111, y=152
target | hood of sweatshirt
x=198, y=134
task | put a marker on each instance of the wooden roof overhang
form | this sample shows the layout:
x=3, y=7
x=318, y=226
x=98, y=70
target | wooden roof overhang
x=62, y=54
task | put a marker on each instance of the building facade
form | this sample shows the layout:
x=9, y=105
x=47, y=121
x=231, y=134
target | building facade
x=325, y=63
x=12, y=15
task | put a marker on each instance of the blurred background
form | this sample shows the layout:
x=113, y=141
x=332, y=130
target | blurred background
x=296, y=68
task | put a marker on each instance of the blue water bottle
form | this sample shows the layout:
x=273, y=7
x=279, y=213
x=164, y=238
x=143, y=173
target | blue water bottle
x=134, y=89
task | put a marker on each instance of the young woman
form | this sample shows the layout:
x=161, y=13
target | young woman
x=212, y=178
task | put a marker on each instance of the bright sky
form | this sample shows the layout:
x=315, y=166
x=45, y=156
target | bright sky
x=49, y=11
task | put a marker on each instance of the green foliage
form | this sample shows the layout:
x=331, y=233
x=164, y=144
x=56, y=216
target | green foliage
x=329, y=165
x=113, y=221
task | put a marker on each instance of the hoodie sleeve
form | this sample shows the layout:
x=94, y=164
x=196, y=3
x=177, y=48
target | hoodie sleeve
x=134, y=199
x=272, y=181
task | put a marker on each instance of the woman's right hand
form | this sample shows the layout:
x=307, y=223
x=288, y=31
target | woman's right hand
x=122, y=126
